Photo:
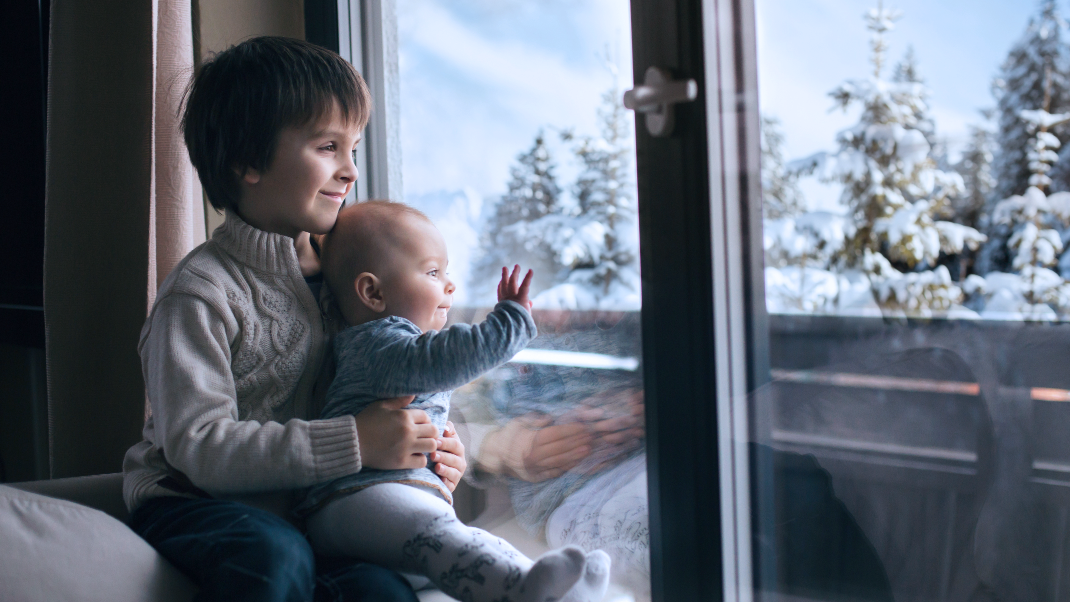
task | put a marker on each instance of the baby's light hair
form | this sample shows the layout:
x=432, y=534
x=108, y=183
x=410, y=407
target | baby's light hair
x=358, y=240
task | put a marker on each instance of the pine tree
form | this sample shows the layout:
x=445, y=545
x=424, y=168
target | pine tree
x=781, y=196
x=1021, y=84
x=907, y=71
x=1029, y=226
x=975, y=167
x=533, y=193
x=893, y=189
x=604, y=198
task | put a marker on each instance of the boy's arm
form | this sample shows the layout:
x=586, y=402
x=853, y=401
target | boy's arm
x=449, y=358
x=186, y=359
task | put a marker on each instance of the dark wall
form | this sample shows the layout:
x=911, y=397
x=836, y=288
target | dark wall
x=23, y=398
x=23, y=32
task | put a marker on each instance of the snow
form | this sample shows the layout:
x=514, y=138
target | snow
x=1006, y=300
x=909, y=230
x=1030, y=205
x=1034, y=246
x=575, y=359
x=1039, y=118
x=811, y=238
x=954, y=238
x=579, y=296
x=883, y=19
x=799, y=290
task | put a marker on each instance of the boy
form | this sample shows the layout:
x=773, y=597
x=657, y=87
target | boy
x=386, y=265
x=232, y=348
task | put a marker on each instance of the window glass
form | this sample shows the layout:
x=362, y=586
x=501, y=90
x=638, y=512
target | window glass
x=912, y=441
x=516, y=144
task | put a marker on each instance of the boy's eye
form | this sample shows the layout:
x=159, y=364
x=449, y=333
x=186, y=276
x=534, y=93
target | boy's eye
x=329, y=147
x=354, y=153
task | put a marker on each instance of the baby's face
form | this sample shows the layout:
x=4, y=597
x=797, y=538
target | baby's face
x=415, y=286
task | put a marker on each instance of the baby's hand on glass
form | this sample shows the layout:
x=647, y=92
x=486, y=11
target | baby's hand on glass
x=512, y=289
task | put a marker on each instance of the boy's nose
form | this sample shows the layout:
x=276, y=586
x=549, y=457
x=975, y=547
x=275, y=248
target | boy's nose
x=349, y=172
x=349, y=175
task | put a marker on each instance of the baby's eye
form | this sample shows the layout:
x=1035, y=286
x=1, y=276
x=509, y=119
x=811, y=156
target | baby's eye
x=433, y=273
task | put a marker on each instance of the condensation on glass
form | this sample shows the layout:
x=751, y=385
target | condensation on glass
x=913, y=440
x=513, y=170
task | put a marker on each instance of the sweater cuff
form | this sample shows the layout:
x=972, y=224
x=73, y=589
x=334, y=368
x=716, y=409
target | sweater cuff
x=335, y=449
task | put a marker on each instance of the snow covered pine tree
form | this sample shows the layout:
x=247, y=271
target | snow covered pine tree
x=975, y=167
x=595, y=242
x=1034, y=222
x=893, y=190
x=781, y=196
x=601, y=256
x=1020, y=86
x=799, y=245
x=506, y=239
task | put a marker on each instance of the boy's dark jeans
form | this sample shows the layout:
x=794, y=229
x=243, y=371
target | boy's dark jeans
x=234, y=552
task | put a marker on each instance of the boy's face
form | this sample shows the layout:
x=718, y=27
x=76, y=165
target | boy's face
x=310, y=175
x=415, y=286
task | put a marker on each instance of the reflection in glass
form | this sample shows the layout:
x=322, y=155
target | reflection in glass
x=911, y=442
x=515, y=170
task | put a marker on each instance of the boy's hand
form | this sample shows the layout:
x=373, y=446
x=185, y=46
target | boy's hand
x=511, y=289
x=451, y=463
x=533, y=449
x=391, y=437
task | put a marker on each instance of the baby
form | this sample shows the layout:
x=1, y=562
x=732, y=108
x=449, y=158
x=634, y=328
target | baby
x=386, y=265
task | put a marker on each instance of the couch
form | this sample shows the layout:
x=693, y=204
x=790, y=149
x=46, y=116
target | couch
x=66, y=539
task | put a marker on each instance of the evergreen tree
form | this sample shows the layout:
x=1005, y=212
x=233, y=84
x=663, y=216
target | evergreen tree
x=908, y=72
x=893, y=189
x=1029, y=228
x=781, y=196
x=1037, y=66
x=605, y=200
x=975, y=167
x=533, y=193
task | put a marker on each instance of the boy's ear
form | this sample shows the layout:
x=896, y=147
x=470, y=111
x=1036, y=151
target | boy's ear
x=248, y=174
x=370, y=292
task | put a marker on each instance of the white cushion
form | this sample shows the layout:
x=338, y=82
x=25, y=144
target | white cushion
x=54, y=550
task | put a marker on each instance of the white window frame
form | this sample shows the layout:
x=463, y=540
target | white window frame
x=368, y=38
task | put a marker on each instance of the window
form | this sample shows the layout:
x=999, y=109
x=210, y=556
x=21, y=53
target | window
x=911, y=443
x=515, y=142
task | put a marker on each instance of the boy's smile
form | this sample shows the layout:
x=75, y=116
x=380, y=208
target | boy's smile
x=310, y=174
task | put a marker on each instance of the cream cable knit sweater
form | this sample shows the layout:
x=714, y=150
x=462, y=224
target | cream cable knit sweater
x=231, y=352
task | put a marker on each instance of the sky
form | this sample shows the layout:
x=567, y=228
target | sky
x=480, y=78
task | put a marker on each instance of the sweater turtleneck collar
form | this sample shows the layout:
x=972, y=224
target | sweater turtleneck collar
x=256, y=248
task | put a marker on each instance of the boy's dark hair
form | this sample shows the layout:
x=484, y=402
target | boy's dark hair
x=241, y=99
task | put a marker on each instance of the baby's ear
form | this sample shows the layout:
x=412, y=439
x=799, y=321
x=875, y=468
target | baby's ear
x=370, y=292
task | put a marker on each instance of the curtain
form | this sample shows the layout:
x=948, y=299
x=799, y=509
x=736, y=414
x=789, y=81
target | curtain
x=122, y=208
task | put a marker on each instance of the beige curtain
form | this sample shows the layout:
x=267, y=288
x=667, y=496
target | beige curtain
x=122, y=207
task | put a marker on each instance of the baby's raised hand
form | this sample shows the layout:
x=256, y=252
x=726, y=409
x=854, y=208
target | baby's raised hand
x=512, y=289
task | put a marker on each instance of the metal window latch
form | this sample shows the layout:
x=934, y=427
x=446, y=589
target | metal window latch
x=656, y=98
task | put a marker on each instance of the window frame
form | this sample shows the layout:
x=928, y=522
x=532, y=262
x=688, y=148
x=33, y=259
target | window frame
x=365, y=33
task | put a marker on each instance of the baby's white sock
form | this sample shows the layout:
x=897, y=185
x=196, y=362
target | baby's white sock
x=592, y=586
x=553, y=574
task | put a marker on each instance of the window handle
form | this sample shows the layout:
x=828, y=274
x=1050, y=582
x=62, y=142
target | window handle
x=656, y=98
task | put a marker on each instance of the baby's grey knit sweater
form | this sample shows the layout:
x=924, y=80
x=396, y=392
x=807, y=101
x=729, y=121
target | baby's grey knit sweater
x=391, y=357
